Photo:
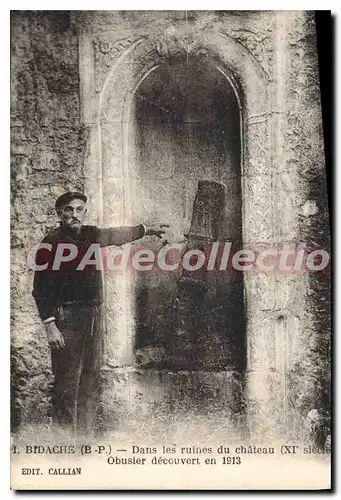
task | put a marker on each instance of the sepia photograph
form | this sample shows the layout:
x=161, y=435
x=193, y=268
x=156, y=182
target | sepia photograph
x=170, y=250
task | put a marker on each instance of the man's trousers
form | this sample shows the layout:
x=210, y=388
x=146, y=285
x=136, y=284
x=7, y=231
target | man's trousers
x=76, y=367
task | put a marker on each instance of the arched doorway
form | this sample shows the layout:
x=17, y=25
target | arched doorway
x=185, y=130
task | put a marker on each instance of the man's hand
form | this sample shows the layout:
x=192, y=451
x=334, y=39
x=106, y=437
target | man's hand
x=156, y=230
x=54, y=337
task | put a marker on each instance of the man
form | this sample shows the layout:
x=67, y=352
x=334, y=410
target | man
x=68, y=300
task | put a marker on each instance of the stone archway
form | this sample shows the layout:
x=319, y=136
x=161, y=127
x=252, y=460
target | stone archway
x=118, y=69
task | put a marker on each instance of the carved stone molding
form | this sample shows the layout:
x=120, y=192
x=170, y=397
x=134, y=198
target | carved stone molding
x=258, y=152
x=106, y=51
x=156, y=49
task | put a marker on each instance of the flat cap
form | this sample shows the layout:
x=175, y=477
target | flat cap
x=65, y=198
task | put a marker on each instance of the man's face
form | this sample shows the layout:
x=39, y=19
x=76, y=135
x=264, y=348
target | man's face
x=73, y=214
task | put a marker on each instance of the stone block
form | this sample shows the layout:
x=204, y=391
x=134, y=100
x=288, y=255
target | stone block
x=136, y=398
x=258, y=210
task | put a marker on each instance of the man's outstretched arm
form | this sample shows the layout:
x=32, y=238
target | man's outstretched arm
x=126, y=234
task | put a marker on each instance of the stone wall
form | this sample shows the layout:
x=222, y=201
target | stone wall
x=47, y=150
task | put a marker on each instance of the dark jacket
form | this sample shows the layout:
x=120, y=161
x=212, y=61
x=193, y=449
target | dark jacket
x=53, y=288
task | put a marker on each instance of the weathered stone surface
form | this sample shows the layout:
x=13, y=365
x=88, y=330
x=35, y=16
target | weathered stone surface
x=269, y=58
x=47, y=150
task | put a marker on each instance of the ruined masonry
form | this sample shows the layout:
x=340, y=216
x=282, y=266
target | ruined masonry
x=88, y=90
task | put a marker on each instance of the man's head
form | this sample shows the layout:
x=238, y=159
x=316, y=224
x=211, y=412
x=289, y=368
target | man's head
x=71, y=210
